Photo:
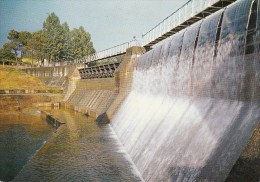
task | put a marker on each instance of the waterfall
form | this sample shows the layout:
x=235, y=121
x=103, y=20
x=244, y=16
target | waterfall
x=194, y=101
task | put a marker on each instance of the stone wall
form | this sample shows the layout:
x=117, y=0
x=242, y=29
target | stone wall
x=18, y=102
x=65, y=77
x=52, y=76
x=58, y=71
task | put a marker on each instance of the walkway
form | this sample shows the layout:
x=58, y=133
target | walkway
x=190, y=13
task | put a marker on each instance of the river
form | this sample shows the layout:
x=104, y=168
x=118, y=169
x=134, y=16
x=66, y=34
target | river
x=79, y=150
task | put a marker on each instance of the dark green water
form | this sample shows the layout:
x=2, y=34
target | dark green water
x=21, y=135
x=79, y=150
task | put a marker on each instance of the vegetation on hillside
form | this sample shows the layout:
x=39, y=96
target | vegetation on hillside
x=55, y=42
x=12, y=79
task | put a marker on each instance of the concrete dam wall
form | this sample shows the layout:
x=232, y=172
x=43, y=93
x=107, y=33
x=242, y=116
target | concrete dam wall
x=92, y=97
x=194, y=100
x=101, y=97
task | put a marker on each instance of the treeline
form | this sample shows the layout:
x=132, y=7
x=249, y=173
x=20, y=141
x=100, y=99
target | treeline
x=55, y=42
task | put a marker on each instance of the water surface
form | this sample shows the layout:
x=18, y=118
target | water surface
x=80, y=150
x=21, y=135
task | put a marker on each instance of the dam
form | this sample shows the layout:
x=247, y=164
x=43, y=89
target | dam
x=194, y=101
x=185, y=109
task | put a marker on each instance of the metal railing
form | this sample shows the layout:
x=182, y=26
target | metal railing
x=189, y=10
x=113, y=51
x=184, y=13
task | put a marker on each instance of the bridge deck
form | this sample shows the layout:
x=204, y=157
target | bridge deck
x=208, y=11
x=190, y=13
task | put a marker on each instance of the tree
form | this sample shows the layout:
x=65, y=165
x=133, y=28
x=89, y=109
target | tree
x=36, y=45
x=80, y=43
x=55, y=42
x=23, y=39
x=18, y=42
x=53, y=33
x=9, y=46
x=13, y=45
x=66, y=50
x=61, y=44
x=6, y=56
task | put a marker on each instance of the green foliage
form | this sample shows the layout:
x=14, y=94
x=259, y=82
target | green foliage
x=55, y=42
x=93, y=63
x=10, y=46
x=13, y=36
x=6, y=56
x=18, y=42
x=80, y=43
x=24, y=37
x=61, y=44
x=36, y=45
x=13, y=45
x=66, y=53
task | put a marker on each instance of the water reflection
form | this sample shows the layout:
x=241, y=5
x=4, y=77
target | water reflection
x=80, y=150
x=21, y=135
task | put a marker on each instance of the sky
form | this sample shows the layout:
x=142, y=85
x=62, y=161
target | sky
x=110, y=22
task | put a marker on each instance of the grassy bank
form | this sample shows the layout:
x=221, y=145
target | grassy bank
x=15, y=79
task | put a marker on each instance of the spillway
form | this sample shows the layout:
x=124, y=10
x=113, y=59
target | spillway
x=194, y=100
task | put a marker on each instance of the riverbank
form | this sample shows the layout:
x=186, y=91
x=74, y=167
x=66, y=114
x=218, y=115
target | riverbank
x=20, y=90
x=12, y=78
x=18, y=102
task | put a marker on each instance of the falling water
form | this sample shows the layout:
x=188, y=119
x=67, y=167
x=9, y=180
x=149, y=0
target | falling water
x=192, y=109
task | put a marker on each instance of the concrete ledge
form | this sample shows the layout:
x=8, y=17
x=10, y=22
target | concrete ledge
x=20, y=101
x=47, y=104
x=82, y=109
x=56, y=123
x=24, y=91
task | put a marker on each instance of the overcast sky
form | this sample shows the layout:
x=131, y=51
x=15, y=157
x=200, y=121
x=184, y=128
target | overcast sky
x=110, y=22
